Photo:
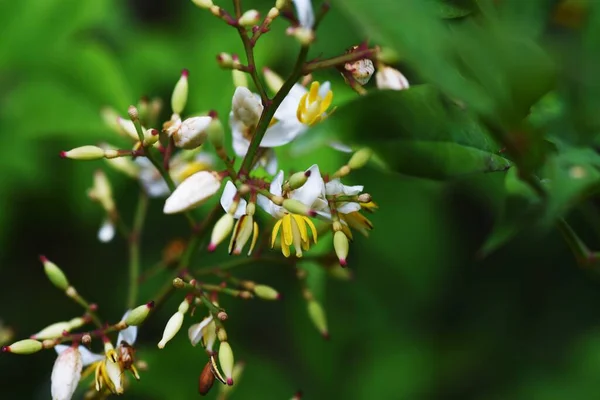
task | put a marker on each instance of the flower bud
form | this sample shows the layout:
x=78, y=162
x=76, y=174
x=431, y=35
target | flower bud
x=266, y=292
x=297, y=207
x=239, y=77
x=128, y=127
x=83, y=153
x=340, y=244
x=226, y=361
x=273, y=13
x=171, y=329
x=249, y=18
x=102, y=191
x=273, y=80
x=317, y=315
x=298, y=179
x=206, y=379
x=52, y=331
x=180, y=93
x=242, y=232
x=281, y=4
x=66, y=374
x=303, y=35
x=216, y=133
x=360, y=158
x=221, y=230
x=246, y=106
x=192, y=192
x=110, y=116
x=364, y=198
x=225, y=60
x=139, y=314
x=192, y=132
x=361, y=70
x=54, y=274
x=390, y=78
x=203, y=3
x=26, y=346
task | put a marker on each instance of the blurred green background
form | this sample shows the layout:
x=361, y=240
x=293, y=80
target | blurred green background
x=424, y=318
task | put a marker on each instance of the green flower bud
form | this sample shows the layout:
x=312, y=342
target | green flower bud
x=297, y=207
x=226, y=360
x=84, y=153
x=203, y=3
x=298, y=179
x=54, y=274
x=27, y=346
x=340, y=244
x=180, y=93
x=249, y=18
x=317, y=315
x=360, y=158
x=221, y=230
x=216, y=133
x=266, y=292
x=52, y=331
x=139, y=314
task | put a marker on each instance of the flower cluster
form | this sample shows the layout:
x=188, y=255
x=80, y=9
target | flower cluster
x=260, y=205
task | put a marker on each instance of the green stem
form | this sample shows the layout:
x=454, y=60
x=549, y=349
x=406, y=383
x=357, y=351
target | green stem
x=582, y=254
x=83, y=303
x=134, y=249
x=269, y=112
x=248, y=49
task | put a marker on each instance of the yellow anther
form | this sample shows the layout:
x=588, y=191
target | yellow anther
x=312, y=106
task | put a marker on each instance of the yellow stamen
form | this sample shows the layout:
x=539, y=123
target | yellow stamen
x=302, y=227
x=287, y=230
x=312, y=228
x=275, y=232
x=254, y=238
x=297, y=236
x=312, y=106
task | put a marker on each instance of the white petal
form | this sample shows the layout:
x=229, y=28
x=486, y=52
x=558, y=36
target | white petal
x=59, y=348
x=106, y=233
x=66, y=373
x=276, y=189
x=277, y=184
x=195, y=331
x=192, y=192
x=340, y=147
x=312, y=189
x=245, y=106
x=128, y=334
x=153, y=184
x=288, y=108
x=324, y=88
x=270, y=163
x=227, y=200
x=391, y=78
x=87, y=357
x=347, y=208
x=334, y=187
x=113, y=370
x=282, y=133
x=192, y=133
x=240, y=143
x=306, y=15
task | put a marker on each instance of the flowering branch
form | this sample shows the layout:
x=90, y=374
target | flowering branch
x=337, y=61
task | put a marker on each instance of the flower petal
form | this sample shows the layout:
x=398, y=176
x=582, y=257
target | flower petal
x=192, y=192
x=282, y=133
x=314, y=187
x=227, y=200
x=106, y=233
x=87, y=357
x=66, y=373
x=347, y=208
x=306, y=15
x=196, y=331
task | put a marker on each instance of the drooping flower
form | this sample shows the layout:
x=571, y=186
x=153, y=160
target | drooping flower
x=294, y=227
x=67, y=370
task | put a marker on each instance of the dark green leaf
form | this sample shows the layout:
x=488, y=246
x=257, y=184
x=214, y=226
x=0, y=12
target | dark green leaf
x=415, y=132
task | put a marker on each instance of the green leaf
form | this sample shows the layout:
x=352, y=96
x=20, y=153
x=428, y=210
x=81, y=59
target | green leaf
x=415, y=132
x=450, y=9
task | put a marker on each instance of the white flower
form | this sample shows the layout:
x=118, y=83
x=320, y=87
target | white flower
x=106, y=233
x=246, y=106
x=227, y=200
x=67, y=370
x=390, y=78
x=204, y=331
x=306, y=15
x=192, y=192
x=335, y=187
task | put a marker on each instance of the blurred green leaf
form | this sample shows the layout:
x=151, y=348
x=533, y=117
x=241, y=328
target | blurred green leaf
x=450, y=9
x=414, y=132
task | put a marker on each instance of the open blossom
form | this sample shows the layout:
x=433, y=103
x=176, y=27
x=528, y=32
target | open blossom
x=204, y=332
x=245, y=228
x=305, y=12
x=67, y=370
x=294, y=227
x=348, y=212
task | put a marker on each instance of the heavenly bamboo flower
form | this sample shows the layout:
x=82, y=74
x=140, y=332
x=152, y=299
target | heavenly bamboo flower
x=305, y=13
x=204, y=332
x=67, y=369
x=294, y=227
x=182, y=165
x=245, y=227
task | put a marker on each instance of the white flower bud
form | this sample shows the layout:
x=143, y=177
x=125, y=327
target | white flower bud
x=180, y=93
x=171, y=329
x=266, y=292
x=221, y=230
x=249, y=18
x=390, y=78
x=84, y=153
x=273, y=80
x=192, y=192
x=246, y=107
x=106, y=233
x=66, y=374
x=192, y=132
x=225, y=60
x=360, y=158
x=102, y=191
x=203, y=3
x=226, y=360
x=340, y=245
x=239, y=77
x=52, y=331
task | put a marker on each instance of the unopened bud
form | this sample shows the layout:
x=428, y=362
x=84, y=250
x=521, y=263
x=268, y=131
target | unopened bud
x=266, y=292
x=192, y=192
x=246, y=107
x=76, y=323
x=52, y=331
x=297, y=207
x=84, y=153
x=390, y=78
x=281, y=4
x=239, y=78
x=102, y=191
x=216, y=133
x=304, y=35
x=110, y=116
x=298, y=179
x=273, y=80
x=27, y=346
x=133, y=113
x=206, y=379
x=226, y=361
x=360, y=158
x=317, y=315
x=340, y=244
x=180, y=93
x=139, y=314
x=171, y=329
x=249, y=18
x=225, y=60
x=364, y=198
x=192, y=132
x=55, y=274
x=203, y=3
x=86, y=339
x=273, y=13
x=221, y=230
x=361, y=70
